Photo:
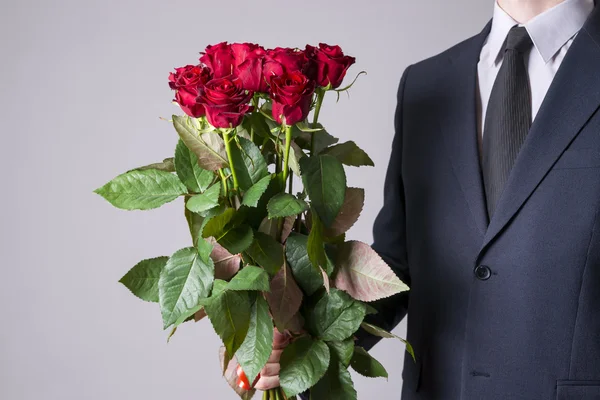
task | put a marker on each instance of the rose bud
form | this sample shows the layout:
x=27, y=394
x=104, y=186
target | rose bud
x=185, y=81
x=219, y=59
x=330, y=64
x=225, y=101
x=291, y=94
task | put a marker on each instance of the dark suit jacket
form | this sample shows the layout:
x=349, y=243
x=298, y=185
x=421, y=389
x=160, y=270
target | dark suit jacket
x=506, y=309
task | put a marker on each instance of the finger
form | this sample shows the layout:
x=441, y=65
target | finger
x=267, y=382
x=270, y=369
x=275, y=356
x=280, y=340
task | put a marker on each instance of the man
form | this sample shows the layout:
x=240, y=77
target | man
x=491, y=210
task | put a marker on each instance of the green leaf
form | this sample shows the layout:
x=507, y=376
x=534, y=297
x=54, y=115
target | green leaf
x=208, y=147
x=237, y=238
x=322, y=139
x=205, y=249
x=142, y=190
x=216, y=225
x=257, y=121
x=335, y=385
x=184, y=281
x=363, y=274
x=229, y=313
x=325, y=181
x=267, y=252
x=380, y=332
x=316, y=246
x=195, y=223
x=336, y=316
x=285, y=204
x=285, y=298
x=303, y=363
x=342, y=349
x=256, y=166
x=253, y=195
x=255, y=216
x=250, y=278
x=166, y=165
x=256, y=348
x=295, y=156
x=142, y=279
x=189, y=172
x=349, y=153
x=371, y=309
x=206, y=200
x=363, y=363
x=249, y=164
x=218, y=287
x=304, y=127
x=309, y=278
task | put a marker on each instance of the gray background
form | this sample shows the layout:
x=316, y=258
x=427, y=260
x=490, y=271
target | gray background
x=82, y=86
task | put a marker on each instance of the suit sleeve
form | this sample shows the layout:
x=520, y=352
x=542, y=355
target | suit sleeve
x=389, y=235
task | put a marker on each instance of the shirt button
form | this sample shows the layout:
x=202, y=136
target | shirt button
x=483, y=272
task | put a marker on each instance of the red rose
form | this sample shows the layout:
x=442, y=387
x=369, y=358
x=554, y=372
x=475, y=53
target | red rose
x=225, y=101
x=249, y=64
x=279, y=61
x=291, y=94
x=219, y=59
x=330, y=62
x=185, y=81
x=243, y=51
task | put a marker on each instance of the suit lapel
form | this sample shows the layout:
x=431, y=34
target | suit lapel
x=572, y=98
x=459, y=123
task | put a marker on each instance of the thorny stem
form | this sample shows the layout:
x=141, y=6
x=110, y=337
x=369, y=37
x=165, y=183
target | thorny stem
x=227, y=138
x=320, y=97
x=286, y=154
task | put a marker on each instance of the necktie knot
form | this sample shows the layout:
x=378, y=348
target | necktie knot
x=518, y=39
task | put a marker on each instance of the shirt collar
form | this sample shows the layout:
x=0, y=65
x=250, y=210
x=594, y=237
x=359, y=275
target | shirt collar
x=549, y=31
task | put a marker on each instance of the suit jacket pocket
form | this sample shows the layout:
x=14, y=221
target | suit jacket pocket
x=577, y=390
x=578, y=158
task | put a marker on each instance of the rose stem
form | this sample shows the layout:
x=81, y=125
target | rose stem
x=227, y=138
x=320, y=97
x=224, y=182
x=286, y=155
x=265, y=396
x=255, y=104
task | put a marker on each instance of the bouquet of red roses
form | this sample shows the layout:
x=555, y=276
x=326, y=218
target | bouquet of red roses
x=264, y=256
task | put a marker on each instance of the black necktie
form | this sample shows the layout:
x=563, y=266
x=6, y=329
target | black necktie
x=508, y=116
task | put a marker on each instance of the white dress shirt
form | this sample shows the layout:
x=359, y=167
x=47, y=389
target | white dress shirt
x=552, y=33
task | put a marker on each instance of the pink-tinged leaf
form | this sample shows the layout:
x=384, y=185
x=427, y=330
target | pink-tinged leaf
x=229, y=366
x=268, y=226
x=354, y=201
x=288, y=225
x=226, y=264
x=363, y=274
x=296, y=324
x=285, y=297
x=271, y=226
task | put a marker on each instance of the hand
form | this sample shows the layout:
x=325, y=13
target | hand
x=269, y=375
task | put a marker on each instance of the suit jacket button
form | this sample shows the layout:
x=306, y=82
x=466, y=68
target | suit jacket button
x=483, y=272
